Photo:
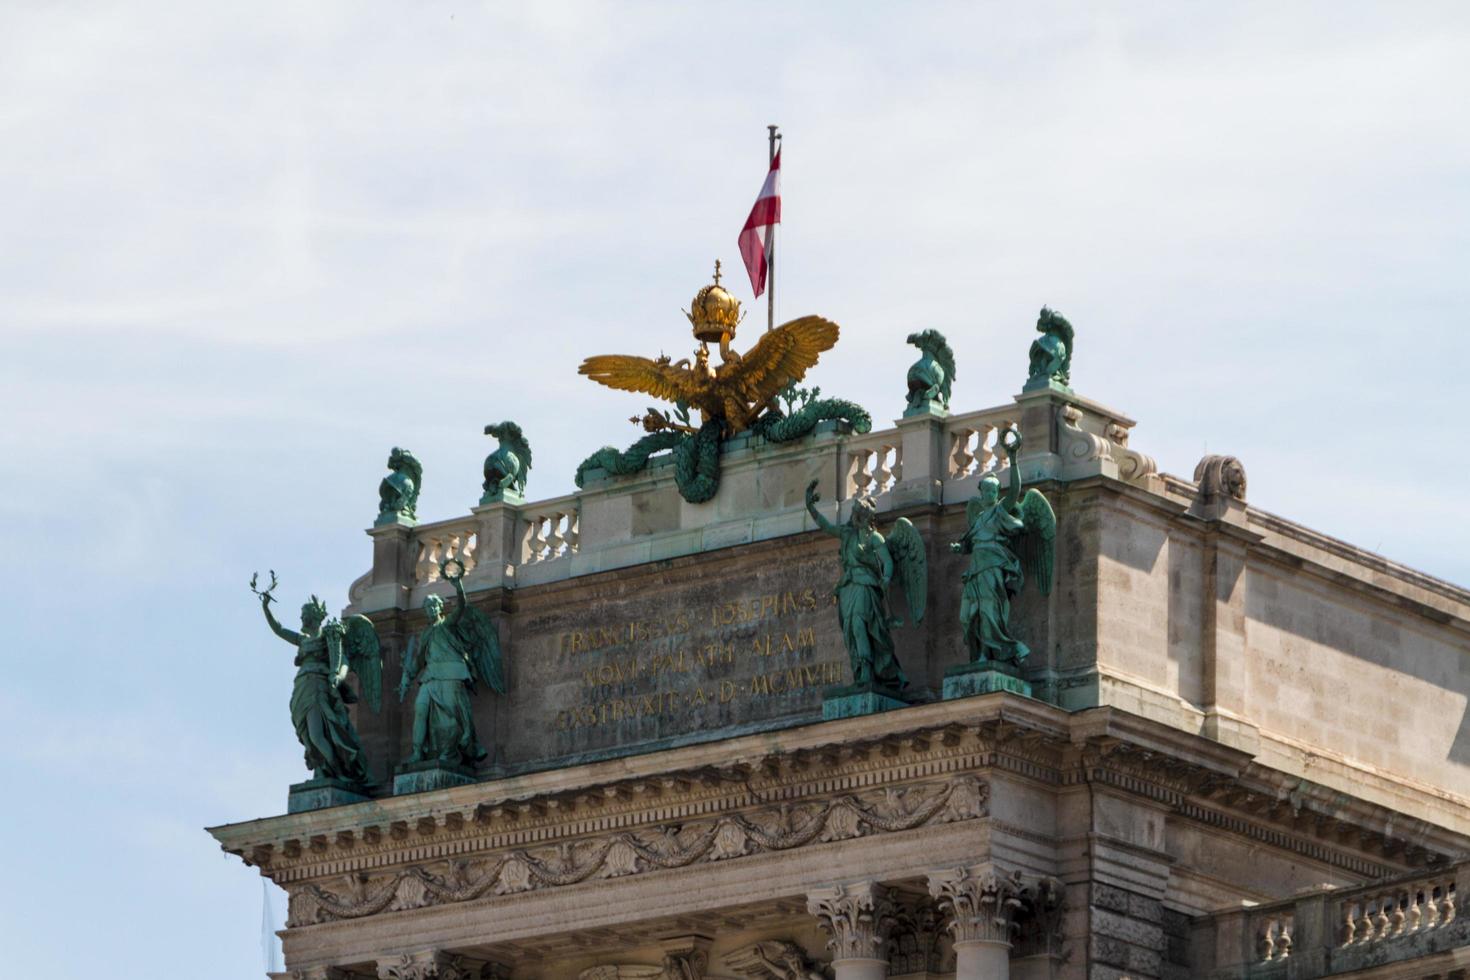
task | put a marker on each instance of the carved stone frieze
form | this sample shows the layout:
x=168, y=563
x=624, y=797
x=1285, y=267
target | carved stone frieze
x=857, y=917
x=773, y=828
x=981, y=902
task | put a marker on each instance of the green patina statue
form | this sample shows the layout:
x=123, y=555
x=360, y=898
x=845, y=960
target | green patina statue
x=869, y=564
x=1051, y=353
x=932, y=376
x=398, y=494
x=446, y=659
x=1006, y=538
x=326, y=650
x=506, y=468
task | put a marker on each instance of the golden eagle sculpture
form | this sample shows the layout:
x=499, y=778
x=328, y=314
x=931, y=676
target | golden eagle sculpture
x=743, y=387
x=741, y=395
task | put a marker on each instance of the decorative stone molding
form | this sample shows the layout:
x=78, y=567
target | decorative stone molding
x=316, y=973
x=773, y=828
x=981, y=902
x=858, y=917
x=772, y=959
x=436, y=964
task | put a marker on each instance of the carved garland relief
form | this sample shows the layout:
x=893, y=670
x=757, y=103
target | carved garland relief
x=775, y=828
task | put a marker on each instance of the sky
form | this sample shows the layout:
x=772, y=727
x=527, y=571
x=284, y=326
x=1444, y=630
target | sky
x=247, y=248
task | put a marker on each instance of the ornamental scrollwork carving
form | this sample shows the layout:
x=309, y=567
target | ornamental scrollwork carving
x=774, y=828
x=772, y=959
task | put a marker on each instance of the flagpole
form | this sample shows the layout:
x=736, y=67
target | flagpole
x=774, y=135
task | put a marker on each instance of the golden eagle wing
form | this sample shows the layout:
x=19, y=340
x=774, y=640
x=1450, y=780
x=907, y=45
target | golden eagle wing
x=782, y=355
x=628, y=373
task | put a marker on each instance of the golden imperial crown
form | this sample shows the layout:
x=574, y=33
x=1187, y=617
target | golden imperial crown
x=715, y=313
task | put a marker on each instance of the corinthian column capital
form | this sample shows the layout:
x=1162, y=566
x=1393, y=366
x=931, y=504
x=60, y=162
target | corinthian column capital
x=437, y=965
x=981, y=901
x=857, y=917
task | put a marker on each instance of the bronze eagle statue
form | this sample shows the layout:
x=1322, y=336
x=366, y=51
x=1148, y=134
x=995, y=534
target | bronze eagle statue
x=740, y=389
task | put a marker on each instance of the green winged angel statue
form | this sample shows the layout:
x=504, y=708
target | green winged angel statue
x=1007, y=538
x=446, y=658
x=326, y=651
x=870, y=562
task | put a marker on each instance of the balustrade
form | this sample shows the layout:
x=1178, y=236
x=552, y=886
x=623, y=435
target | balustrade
x=875, y=465
x=552, y=531
x=1343, y=931
x=439, y=542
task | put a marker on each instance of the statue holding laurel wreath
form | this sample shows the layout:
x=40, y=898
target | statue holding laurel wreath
x=1007, y=539
x=326, y=650
x=446, y=659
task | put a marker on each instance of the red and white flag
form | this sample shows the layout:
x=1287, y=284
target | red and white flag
x=761, y=224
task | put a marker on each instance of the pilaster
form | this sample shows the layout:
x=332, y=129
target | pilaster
x=922, y=448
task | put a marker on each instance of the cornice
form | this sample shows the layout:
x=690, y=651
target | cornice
x=875, y=775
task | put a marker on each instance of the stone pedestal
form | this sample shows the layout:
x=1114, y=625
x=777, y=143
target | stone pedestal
x=421, y=777
x=507, y=496
x=315, y=794
x=968, y=680
x=859, y=699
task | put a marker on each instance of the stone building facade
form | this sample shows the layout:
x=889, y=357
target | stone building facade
x=1247, y=753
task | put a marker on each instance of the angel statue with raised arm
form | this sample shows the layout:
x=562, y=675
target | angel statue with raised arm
x=869, y=564
x=326, y=651
x=1007, y=538
x=446, y=659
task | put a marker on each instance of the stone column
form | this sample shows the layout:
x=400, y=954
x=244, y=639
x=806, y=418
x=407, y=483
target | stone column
x=981, y=902
x=497, y=547
x=858, y=918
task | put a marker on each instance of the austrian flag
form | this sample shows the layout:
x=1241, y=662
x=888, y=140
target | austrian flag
x=759, y=227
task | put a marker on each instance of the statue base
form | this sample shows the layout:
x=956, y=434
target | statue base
x=1045, y=384
x=927, y=408
x=317, y=794
x=985, y=677
x=502, y=497
x=393, y=519
x=422, y=777
x=859, y=699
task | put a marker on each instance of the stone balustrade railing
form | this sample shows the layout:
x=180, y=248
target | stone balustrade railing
x=615, y=522
x=1339, y=931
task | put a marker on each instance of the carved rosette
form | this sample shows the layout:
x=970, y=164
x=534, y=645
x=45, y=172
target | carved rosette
x=981, y=902
x=858, y=917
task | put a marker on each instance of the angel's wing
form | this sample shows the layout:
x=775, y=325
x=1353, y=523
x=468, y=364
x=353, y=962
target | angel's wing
x=482, y=644
x=1036, y=544
x=910, y=566
x=364, y=656
x=628, y=373
x=782, y=355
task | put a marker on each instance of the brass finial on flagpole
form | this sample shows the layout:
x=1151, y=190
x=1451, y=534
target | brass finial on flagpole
x=774, y=137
